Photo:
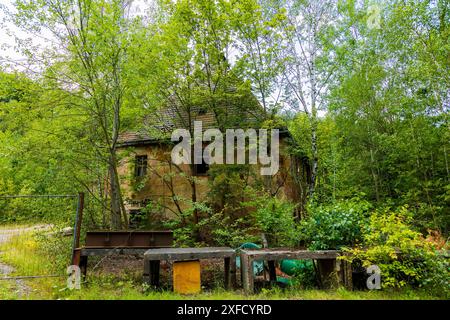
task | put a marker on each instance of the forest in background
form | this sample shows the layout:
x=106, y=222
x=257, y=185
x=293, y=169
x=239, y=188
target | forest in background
x=363, y=89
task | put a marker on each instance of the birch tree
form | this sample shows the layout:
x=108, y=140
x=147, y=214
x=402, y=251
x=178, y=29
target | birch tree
x=308, y=66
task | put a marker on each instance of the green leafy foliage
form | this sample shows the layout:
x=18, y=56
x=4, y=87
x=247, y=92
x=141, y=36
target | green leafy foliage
x=335, y=225
x=401, y=253
x=244, y=210
x=274, y=217
x=57, y=246
x=225, y=231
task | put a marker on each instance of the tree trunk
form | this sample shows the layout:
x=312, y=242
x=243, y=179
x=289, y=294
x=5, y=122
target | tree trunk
x=194, y=200
x=116, y=197
x=313, y=121
x=374, y=176
x=315, y=157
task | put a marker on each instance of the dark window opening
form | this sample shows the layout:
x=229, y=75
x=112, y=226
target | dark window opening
x=201, y=169
x=140, y=169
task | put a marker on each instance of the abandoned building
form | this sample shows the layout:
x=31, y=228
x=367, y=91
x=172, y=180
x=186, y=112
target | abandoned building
x=149, y=177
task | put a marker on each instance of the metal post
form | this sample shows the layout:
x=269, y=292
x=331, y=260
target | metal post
x=77, y=229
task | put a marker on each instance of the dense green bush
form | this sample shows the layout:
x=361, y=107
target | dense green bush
x=242, y=210
x=274, y=217
x=223, y=230
x=30, y=210
x=334, y=225
x=401, y=253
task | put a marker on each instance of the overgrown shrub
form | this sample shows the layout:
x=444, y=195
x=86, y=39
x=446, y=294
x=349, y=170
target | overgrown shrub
x=225, y=231
x=184, y=229
x=227, y=185
x=274, y=217
x=31, y=210
x=243, y=210
x=333, y=226
x=56, y=247
x=258, y=213
x=401, y=253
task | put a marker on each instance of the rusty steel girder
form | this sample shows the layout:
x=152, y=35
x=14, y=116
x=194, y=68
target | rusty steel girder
x=128, y=239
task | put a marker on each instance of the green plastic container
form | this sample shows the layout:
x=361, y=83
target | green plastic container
x=292, y=267
x=284, y=281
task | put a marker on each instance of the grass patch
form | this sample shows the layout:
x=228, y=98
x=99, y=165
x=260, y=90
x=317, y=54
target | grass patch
x=11, y=226
x=20, y=252
x=25, y=254
x=108, y=289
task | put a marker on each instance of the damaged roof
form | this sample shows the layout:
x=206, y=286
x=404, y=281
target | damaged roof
x=159, y=127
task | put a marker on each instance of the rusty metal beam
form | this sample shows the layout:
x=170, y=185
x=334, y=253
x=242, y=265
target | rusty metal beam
x=128, y=239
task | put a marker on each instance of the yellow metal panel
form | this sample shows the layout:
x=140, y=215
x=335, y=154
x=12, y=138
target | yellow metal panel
x=186, y=277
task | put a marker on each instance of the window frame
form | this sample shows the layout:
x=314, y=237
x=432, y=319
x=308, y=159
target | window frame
x=140, y=166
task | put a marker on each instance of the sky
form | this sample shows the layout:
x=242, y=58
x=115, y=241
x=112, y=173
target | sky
x=7, y=35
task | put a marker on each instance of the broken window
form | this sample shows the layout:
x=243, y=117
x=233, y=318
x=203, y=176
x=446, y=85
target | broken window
x=140, y=166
